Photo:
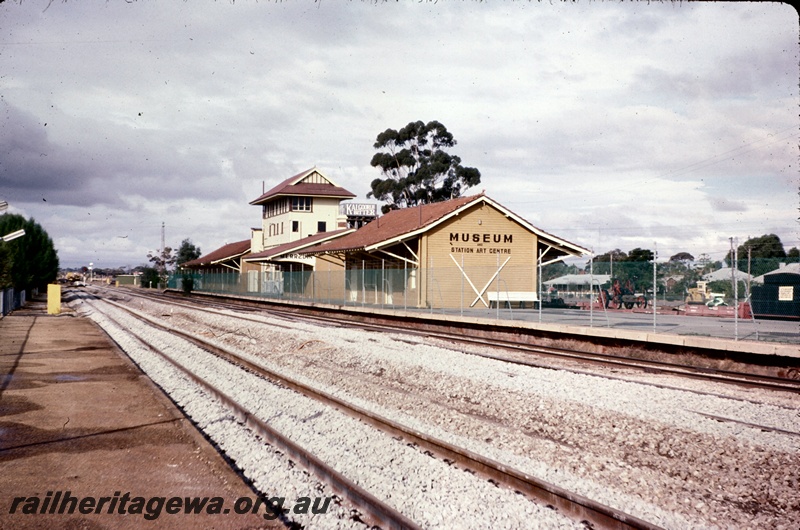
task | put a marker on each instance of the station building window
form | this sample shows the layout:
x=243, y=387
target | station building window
x=301, y=204
x=276, y=208
x=295, y=226
x=321, y=226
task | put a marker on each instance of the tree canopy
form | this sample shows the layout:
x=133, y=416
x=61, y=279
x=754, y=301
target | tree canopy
x=29, y=262
x=611, y=255
x=417, y=168
x=186, y=252
x=640, y=254
x=766, y=246
x=766, y=254
x=603, y=263
x=633, y=265
x=556, y=269
x=162, y=261
x=682, y=256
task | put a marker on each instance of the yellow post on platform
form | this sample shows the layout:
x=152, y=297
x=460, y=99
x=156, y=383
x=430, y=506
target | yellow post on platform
x=53, y=299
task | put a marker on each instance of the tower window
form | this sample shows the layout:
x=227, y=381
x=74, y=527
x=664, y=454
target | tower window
x=301, y=204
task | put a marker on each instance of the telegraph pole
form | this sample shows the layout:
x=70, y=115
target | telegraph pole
x=655, y=289
x=749, y=276
x=736, y=291
x=161, y=251
x=734, y=263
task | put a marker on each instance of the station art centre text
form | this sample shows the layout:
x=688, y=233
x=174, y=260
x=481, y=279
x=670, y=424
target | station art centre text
x=479, y=240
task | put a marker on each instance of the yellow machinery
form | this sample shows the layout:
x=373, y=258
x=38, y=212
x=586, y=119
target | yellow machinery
x=703, y=295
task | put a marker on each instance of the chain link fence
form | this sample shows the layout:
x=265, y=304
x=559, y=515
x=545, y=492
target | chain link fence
x=673, y=297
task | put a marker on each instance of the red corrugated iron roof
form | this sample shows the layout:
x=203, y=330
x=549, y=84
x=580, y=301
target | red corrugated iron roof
x=290, y=187
x=395, y=224
x=294, y=246
x=408, y=222
x=225, y=252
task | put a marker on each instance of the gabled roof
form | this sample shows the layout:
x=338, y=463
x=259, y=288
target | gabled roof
x=724, y=274
x=580, y=279
x=224, y=253
x=792, y=268
x=294, y=186
x=295, y=246
x=396, y=223
x=406, y=223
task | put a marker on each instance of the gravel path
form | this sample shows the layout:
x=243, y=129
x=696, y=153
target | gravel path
x=643, y=449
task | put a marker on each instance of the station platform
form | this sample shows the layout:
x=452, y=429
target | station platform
x=79, y=420
x=778, y=340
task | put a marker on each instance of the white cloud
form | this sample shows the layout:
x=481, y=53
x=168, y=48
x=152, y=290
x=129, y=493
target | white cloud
x=613, y=125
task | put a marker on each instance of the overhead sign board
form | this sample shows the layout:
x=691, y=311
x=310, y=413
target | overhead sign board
x=359, y=209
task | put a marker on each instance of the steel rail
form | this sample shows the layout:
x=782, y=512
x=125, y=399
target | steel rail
x=705, y=374
x=374, y=509
x=764, y=428
x=571, y=354
x=211, y=306
x=574, y=505
x=694, y=372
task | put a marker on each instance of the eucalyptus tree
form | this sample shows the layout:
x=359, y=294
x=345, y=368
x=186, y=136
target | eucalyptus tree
x=417, y=168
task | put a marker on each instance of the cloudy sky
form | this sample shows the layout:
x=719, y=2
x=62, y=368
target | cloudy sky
x=613, y=125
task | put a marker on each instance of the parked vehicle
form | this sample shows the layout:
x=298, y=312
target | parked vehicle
x=622, y=295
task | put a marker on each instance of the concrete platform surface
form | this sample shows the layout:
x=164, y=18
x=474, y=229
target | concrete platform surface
x=77, y=416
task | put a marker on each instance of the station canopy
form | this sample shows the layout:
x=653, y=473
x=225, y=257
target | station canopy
x=228, y=255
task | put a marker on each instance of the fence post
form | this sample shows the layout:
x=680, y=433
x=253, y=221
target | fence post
x=497, y=288
x=430, y=284
x=655, y=291
x=539, y=277
x=462, y=284
x=405, y=285
x=736, y=291
x=591, y=290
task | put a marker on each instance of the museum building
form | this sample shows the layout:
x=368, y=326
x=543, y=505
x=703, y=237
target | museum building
x=312, y=243
x=465, y=252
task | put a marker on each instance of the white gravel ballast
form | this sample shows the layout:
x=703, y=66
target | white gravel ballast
x=426, y=489
x=652, y=452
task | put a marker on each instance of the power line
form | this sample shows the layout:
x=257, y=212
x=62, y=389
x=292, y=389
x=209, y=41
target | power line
x=710, y=161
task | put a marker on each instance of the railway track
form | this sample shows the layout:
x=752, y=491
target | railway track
x=376, y=511
x=577, y=507
x=606, y=360
x=597, y=424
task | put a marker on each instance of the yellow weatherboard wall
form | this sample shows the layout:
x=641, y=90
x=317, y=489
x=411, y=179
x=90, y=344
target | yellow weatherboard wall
x=53, y=299
x=484, y=240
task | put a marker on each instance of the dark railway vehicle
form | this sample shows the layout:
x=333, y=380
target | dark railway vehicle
x=622, y=295
x=778, y=298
